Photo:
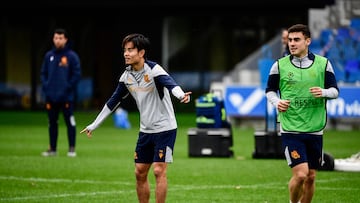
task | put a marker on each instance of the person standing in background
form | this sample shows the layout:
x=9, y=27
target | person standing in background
x=284, y=42
x=299, y=86
x=60, y=73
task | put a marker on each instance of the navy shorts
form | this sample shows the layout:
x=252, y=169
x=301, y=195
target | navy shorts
x=301, y=148
x=155, y=147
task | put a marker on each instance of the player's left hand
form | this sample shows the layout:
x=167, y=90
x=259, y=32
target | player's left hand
x=186, y=98
x=316, y=91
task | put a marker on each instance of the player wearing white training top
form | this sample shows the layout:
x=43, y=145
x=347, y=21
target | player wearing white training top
x=150, y=85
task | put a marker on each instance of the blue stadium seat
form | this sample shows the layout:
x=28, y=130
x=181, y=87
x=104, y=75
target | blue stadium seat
x=84, y=89
x=352, y=70
x=325, y=36
x=339, y=73
x=264, y=65
x=343, y=34
x=334, y=53
x=355, y=23
x=348, y=50
x=315, y=46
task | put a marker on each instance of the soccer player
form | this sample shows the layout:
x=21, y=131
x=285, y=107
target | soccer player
x=150, y=85
x=60, y=73
x=304, y=82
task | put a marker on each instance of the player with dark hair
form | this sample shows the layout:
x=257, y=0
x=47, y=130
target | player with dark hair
x=304, y=81
x=150, y=85
x=60, y=73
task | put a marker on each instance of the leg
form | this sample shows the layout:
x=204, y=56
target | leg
x=70, y=124
x=309, y=187
x=315, y=157
x=161, y=181
x=142, y=183
x=300, y=173
x=53, y=116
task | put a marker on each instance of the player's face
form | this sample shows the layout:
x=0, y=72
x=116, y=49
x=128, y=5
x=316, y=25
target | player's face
x=132, y=55
x=59, y=40
x=298, y=44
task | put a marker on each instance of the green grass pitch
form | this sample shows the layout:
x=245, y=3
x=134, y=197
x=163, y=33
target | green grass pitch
x=103, y=171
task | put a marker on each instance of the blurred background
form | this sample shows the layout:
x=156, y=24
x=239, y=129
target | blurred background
x=201, y=44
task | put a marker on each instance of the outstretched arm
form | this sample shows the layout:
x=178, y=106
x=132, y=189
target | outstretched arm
x=105, y=112
x=120, y=93
x=184, y=97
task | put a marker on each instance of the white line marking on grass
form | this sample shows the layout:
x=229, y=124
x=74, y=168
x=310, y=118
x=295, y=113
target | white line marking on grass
x=273, y=186
x=56, y=180
x=337, y=188
x=81, y=194
x=333, y=180
x=279, y=186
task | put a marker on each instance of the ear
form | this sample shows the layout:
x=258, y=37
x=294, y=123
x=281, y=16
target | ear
x=308, y=41
x=142, y=52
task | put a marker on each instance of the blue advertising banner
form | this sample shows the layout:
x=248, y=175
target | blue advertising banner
x=251, y=101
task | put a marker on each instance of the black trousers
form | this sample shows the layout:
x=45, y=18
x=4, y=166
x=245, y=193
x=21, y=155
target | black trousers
x=53, y=110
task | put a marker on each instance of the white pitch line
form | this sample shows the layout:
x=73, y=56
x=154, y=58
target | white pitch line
x=81, y=194
x=56, y=180
x=274, y=185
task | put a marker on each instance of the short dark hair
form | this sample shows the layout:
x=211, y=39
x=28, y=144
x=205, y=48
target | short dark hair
x=300, y=28
x=140, y=41
x=61, y=31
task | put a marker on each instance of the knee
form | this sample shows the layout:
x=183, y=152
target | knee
x=301, y=176
x=159, y=171
x=311, y=178
x=140, y=174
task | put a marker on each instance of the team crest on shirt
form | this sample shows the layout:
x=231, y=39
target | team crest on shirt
x=48, y=106
x=146, y=78
x=295, y=154
x=63, y=61
x=161, y=153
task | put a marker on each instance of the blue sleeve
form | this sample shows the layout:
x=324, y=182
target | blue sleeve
x=330, y=80
x=120, y=93
x=273, y=83
x=165, y=81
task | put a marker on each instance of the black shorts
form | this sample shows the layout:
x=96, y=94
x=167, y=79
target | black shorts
x=301, y=148
x=155, y=147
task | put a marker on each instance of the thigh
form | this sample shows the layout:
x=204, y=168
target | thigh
x=53, y=110
x=67, y=109
x=164, y=146
x=144, y=150
x=155, y=147
x=314, y=150
x=294, y=149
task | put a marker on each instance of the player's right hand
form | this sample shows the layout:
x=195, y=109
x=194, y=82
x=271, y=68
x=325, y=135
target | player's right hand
x=88, y=132
x=283, y=105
